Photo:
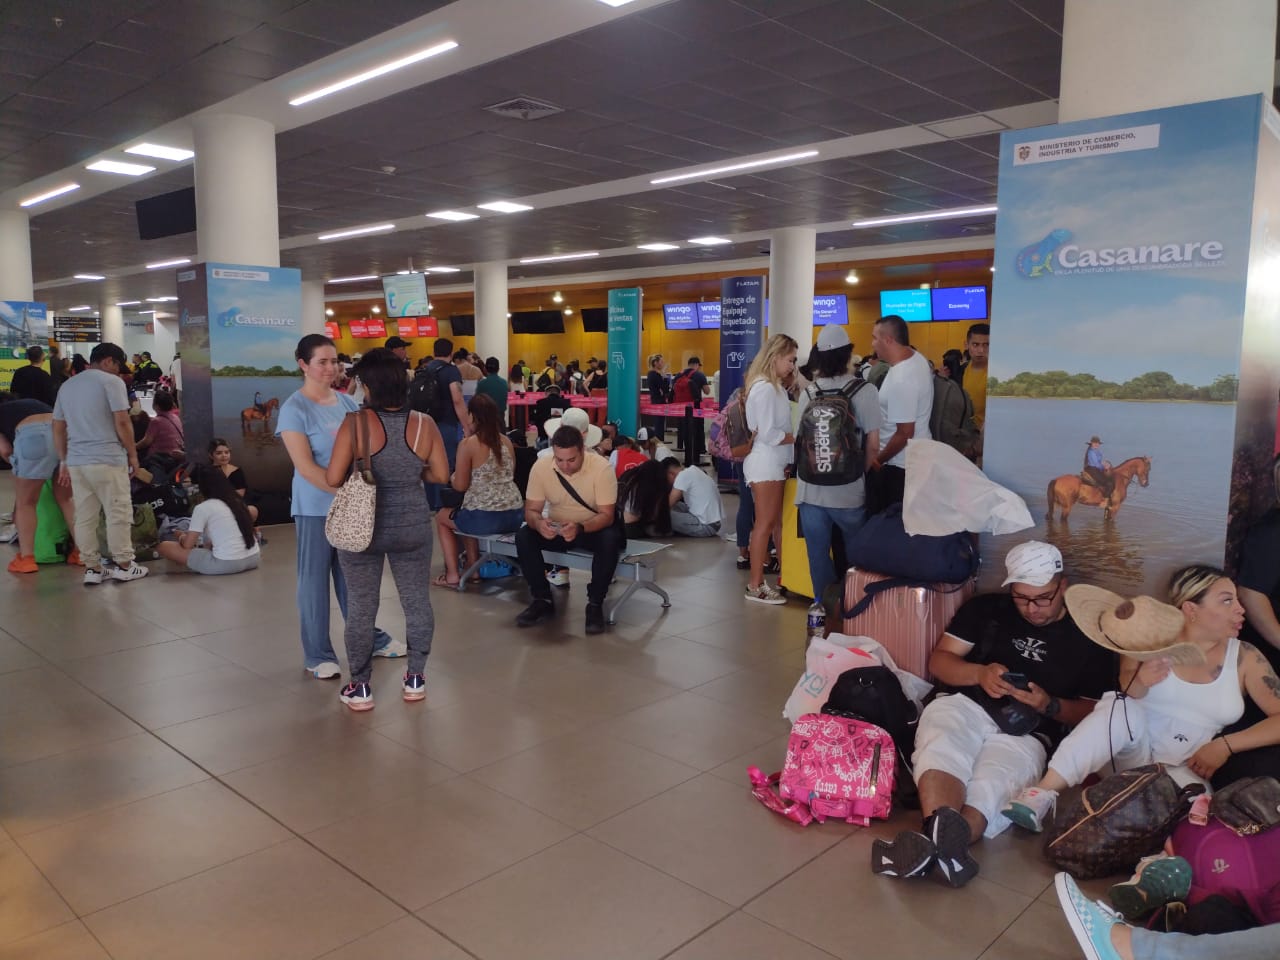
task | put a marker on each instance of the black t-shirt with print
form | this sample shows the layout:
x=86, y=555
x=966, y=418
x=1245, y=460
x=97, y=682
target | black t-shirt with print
x=1260, y=571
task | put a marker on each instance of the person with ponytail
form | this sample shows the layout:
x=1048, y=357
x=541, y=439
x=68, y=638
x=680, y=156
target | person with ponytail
x=230, y=545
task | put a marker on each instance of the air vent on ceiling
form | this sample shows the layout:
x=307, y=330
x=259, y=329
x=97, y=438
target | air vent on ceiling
x=524, y=108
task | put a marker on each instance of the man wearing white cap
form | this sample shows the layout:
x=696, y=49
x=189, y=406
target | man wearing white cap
x=1014, y=673
x=580, y=420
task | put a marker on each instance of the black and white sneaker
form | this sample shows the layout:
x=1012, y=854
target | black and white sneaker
x=949, y=833
x=357, y=696
x=910, y=854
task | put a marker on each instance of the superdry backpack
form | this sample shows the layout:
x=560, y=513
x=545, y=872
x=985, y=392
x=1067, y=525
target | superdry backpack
x=829, y=441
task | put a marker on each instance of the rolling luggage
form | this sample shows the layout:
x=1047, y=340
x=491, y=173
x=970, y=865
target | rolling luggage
x=792, y=552
x=906, y=620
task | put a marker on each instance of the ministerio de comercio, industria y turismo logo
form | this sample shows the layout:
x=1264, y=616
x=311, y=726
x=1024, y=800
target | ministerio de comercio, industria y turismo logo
x=1058, y=255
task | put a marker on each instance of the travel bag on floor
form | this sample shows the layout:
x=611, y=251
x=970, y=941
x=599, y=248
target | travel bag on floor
x=53, y=539
x=1244, y=869
x=907, y=620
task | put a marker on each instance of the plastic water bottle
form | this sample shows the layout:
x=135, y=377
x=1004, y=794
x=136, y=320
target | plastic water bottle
x=816, y=622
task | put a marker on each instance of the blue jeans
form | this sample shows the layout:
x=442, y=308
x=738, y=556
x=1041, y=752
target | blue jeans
x=487, y=523
x=1258, y=943
x=317, y=564
x=746, y=509
x=451, y=434
x=817, y=523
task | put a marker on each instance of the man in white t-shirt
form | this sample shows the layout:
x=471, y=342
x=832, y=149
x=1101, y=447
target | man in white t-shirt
x=696, y=510
x=906, y=402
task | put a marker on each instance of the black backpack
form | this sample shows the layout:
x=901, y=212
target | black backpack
x=829, y=440
x=426, y=393
x=873, y=694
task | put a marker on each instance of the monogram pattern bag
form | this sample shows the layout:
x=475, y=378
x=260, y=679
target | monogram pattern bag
x=349, y=522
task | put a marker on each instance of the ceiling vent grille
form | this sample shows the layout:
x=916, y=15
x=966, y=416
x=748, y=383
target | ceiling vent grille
x=524, y=108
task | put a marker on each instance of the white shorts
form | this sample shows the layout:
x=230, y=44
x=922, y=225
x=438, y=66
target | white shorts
x=765, y=464
x=957, y=737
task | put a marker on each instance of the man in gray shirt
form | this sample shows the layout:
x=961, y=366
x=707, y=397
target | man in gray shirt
x=94, y=440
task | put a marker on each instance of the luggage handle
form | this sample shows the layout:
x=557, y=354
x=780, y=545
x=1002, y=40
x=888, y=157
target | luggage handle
x=762, y=788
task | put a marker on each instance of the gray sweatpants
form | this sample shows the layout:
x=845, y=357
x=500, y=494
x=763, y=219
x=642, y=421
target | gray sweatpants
x=408, y=549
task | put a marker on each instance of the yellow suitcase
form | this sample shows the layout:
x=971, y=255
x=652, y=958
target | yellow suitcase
x=795, y=558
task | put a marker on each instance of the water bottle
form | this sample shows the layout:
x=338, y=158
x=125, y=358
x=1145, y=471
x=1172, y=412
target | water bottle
x=816, y=622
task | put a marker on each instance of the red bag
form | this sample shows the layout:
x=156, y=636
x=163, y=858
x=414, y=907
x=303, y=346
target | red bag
x=907, y=621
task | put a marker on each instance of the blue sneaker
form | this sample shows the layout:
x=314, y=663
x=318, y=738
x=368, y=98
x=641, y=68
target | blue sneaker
x=392, y=648
x=415, y=687
x=1091, y=922
x=357, y=696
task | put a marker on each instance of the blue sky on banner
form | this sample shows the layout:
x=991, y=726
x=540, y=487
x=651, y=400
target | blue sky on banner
x=254, y=323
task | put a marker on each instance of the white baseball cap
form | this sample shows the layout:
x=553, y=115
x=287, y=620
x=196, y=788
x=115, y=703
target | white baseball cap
x=832, y=337
x=1034, y=563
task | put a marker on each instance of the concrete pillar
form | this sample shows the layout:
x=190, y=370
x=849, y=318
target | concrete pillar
x=112, y=324
x=491, y=312
x=1146, y=54
x=235, y=173
x=792, y=253
x=312, y=319
x=15, y=256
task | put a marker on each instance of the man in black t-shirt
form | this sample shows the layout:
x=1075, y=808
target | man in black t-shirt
x=32, y=382
x=1259, y=581
x=999, y=651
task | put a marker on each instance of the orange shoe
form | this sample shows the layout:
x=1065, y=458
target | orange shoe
x=73, y=559
x=21, y=564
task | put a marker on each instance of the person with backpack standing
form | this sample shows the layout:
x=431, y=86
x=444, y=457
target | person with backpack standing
x=656, y=384
x=436, y=390
x=688, y=388
x=839, y=428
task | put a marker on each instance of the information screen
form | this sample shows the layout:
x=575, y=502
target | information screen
x=911, y=305
x=960, y=303
x=680, y=316
x=406, y=295
x=831, y=309
x=709, y=315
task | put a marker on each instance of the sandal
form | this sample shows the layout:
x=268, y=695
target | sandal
x=442, y=580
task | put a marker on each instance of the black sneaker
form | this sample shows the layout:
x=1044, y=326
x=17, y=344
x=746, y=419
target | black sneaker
x=743, y=563
x=773, y=566
x=536, y=612
x=949, y=833
x=595, y=618
x=911, y=854
x=357, y=696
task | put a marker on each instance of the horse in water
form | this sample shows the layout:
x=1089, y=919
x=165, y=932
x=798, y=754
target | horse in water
x=251, y=415
x=1069, y=489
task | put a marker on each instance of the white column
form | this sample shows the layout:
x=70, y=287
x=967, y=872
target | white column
x=235, y=171
x=1146, y=54
x=112, y=324
x=491, y=312
x=312, y=320
x=15, y=256
x=792, y=253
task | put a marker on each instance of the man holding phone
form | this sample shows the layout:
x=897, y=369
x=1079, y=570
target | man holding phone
x=1014, y=673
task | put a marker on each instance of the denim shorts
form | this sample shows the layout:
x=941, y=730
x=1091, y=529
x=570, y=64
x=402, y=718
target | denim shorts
x=485, y=523
x=33, y=455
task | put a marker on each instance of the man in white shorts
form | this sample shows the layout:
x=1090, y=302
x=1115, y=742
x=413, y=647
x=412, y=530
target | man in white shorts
x=1007, y=662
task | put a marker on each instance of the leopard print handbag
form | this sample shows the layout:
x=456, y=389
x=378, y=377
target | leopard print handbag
x=349, y=522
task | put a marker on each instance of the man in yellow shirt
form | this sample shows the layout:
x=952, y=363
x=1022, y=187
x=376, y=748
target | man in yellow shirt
x=581, y=492
x=974, y=373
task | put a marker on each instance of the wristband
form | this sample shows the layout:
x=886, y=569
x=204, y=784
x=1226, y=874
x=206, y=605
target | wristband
x=1053, y=708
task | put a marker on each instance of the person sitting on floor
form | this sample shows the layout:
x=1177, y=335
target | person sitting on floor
x=230, y=544
x=1014, y=672
x=696, y=508
x=164, y=433
x=645, y=495
x=220, y=457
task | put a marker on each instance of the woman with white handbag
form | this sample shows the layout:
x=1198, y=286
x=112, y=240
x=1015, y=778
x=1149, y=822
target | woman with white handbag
x=380, y=515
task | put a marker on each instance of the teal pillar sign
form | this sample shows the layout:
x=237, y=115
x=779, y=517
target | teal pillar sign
x=624, y=358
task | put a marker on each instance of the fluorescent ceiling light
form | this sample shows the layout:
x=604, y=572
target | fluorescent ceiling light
x=563, y=256
x=80, y=309
x=504, y=206
x=88, y=276
x=129, y=303
x=454, y=215
x=49, y=195
x=357, y=232
x=709, y=241
x=443, y=269
x=735, y=167
x=168, y=263
x=615, y=3
x=379, y=71
x=659, y=246
x=159, y=152
x=367, y=276
x=161, y=299
x=143, y=312
x=115, y=166
x=932, y=215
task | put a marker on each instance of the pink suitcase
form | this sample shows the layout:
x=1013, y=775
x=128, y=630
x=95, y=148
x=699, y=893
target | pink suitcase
x=907, y=621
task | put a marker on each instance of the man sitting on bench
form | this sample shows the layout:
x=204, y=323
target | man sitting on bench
x=582, y=493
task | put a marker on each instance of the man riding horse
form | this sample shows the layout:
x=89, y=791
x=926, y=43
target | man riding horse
x=1097, y=472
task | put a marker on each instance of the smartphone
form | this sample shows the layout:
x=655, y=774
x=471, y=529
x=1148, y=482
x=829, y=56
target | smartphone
x=1015, y=679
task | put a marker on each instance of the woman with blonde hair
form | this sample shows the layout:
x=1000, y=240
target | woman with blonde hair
x=765, y=467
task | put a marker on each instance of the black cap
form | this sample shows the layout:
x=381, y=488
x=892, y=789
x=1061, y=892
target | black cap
x=395, y=343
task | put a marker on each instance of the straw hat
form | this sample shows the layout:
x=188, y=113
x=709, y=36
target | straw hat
x=1141, y=628
x=577, y=418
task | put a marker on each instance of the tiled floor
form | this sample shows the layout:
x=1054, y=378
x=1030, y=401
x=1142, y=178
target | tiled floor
x=172, y=785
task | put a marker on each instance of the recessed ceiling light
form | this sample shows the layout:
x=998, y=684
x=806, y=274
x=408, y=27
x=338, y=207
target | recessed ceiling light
x=367, y=276
x=376, y=309
x=585, y=255
x=168, y=263
x=709, y=241
x=88, y=276
x=430, y=305
x=659, y=246
x=129, y=303
x=568, y=311
x=993, y=269
x=159, y=152
x=379, y=71
x=558, y=297
x=932, y=215
x=454, y=215
x=80, y=309
x=443, y=269
x=508, y=314
x=504, y=206
x=328, y=311
x=49, y=194
x=115, y=166
x=161, y=299
x=926, y=286
x=615, y=3
x=403, y=273
x=851, y=277
x=357, y=232
x=735, y=167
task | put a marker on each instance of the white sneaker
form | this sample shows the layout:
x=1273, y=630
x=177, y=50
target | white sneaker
x=765, y=594
x=1030, y=808
x=135, y=571
x=393, y=649
x=325, y=671
x=94, y=575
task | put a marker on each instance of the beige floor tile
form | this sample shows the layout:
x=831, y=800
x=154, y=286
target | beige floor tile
x=28, y=902
x=582, y=779
x=102, y=859
x=755, y=635
x=16, y=656
x=162, y=703
x=430, y=845
x=694, y=730
x=70, y=941
x=1015, y=859
x=718, y=838
x=580, y=899
x=763, y=688
x=54, y=727
x=768, y=756
x=159, y=661
x=1040, y=932
x=586, y=690
x=26, y=690
x=926, y=919
x=312, y=789
x=406, y=939
x=672, y=660
x=95, y=622
x=265, y=648
x=740, y=937
x=89, y=779
x=287, y=902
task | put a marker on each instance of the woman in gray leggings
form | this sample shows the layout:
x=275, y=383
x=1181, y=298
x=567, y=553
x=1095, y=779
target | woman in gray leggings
x=401, y=441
